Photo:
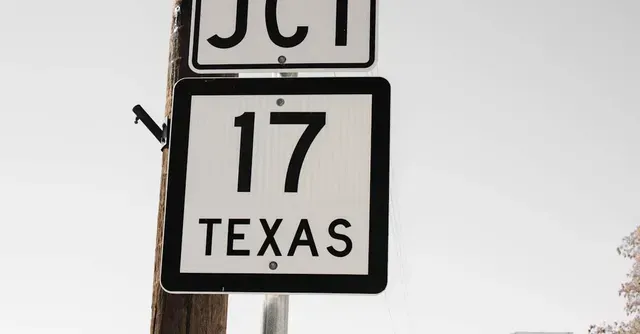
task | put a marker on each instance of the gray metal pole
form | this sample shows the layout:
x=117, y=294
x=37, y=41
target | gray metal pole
x=275, y=312
x=275, y=316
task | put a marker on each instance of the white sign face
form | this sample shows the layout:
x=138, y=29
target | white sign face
x=275, y=181
x=333, y=184
x=271, y=35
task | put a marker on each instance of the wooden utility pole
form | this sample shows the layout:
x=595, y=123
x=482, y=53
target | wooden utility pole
x=171, y=313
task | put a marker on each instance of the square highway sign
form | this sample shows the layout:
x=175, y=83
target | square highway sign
x=285, y=35
x=278, y=186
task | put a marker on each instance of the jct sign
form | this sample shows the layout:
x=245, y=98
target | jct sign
x=278, y=185
x=285, y=35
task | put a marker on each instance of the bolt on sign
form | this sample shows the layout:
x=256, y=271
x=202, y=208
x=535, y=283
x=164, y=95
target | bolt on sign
x=285, y=35
x=278, y=185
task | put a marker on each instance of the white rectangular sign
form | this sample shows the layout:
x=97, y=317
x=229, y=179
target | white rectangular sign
x=285, y=35
x=279, y=180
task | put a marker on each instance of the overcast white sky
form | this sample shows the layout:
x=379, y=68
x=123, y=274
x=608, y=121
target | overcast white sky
x=515, y=159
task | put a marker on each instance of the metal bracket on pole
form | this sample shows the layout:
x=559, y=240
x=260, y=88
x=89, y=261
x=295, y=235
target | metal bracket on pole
x=162, y=135
x=275, y=314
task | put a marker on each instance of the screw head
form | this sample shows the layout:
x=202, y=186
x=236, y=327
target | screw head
x=282, y=59
x=280, y=102
x=273, y=265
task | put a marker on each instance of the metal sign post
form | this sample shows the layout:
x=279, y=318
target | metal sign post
x=275, y=314
x=275, y=311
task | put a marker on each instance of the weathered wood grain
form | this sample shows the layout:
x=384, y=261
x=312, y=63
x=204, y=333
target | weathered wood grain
x=180, y=314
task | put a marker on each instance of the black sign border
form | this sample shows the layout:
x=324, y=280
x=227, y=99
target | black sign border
x=194, y=44
x=375, y=282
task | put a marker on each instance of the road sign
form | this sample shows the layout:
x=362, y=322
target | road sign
x=286, y=35
x=277, y=186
